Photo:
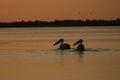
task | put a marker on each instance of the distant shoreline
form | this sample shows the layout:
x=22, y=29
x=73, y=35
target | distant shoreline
x=60, y=23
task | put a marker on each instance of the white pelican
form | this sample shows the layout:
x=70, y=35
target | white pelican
x=81, y=46
x=62, y=45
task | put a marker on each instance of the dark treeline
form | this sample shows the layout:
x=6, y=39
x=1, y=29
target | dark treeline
x=61, y=23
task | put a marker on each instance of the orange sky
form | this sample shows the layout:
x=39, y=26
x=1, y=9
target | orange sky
x=12, y=10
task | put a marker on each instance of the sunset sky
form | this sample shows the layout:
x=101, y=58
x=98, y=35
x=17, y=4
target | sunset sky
x=17, y=10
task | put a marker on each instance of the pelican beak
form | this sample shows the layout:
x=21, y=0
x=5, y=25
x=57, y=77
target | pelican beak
x=57, y=42
x=76, y=43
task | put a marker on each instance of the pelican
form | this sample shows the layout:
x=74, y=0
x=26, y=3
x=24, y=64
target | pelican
x=62, y=45
x=81, y=46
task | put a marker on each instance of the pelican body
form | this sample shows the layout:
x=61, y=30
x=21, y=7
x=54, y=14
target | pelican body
x=62, y=46
x=80, y=46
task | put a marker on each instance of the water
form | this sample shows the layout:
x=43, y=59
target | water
x=28, y=54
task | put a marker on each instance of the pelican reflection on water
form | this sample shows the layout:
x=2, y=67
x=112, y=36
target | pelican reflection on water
x=81, y=46
x=62, y=46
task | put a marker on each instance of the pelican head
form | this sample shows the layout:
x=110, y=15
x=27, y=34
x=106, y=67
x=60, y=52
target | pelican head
x=59, y=41
x=79, y=41
x=62, y=46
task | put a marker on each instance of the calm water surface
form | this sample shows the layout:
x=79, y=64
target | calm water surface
x=28, y=54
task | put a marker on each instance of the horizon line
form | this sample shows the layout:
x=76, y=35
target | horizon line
x=56, y=20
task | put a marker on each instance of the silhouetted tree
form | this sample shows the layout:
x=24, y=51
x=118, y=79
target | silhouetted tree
x=38, y=23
